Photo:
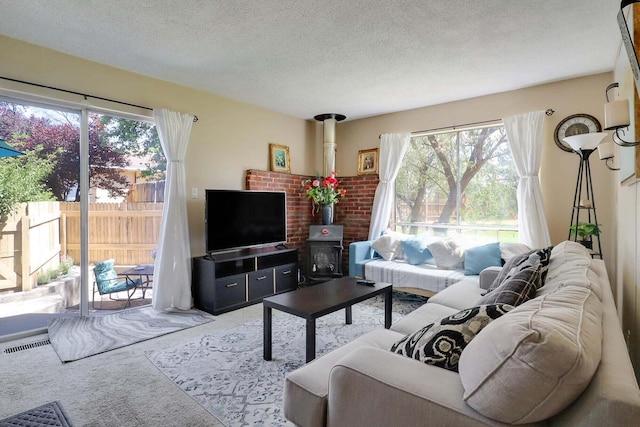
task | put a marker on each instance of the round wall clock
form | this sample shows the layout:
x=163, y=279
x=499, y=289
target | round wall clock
x=575, y=125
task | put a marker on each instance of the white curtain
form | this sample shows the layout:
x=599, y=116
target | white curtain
x=172, y=270
x=392, y=149
x=525, y=133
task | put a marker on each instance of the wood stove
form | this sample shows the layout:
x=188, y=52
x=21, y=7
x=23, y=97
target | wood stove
x=324, y=253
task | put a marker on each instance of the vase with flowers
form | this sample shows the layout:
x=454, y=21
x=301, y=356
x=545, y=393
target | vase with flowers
x=324, y=193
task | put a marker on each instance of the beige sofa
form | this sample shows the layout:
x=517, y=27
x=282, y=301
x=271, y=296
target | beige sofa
x=543, y=379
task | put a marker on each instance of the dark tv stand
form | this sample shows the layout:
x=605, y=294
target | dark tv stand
x=227, y=281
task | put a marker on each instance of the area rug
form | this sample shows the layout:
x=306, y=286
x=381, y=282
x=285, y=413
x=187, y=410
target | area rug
x=50, y=414
x=79, y=337
x=226, y=374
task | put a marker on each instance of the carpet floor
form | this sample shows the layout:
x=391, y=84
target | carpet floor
x=80, y=337
x=226, y=374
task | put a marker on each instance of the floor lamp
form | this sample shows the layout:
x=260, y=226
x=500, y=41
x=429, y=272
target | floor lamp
x=583, y=145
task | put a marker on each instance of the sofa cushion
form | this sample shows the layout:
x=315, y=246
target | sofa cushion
x=519, y=288
x=533, y=362
x=306, y=388
x=423, y=315
x=478, y=258
x=518, y=262
x=459, y=296
x=441, y=343
x=448, y=254
x=416, y=251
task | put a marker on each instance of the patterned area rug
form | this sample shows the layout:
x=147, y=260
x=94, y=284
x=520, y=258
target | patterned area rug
x=50, y=414
x=79, y=337
x=226, y=374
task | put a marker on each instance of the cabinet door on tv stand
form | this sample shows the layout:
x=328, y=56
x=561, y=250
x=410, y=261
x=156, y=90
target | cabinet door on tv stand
x=286, y=277
x=260, y=284
x=230, y=291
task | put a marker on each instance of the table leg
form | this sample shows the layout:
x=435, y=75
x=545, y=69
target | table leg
x=387, y=307
x=348, y=315
x=266, y=337
x=311, y=340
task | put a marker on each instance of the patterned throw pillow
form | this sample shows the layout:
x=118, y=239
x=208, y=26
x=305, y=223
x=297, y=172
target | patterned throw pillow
x=519, y=288
x=519, y=262
x=441, y=343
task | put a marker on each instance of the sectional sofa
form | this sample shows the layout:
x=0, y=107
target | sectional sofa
x=557, y=359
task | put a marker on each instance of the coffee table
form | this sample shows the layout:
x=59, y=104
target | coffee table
x=316, y=301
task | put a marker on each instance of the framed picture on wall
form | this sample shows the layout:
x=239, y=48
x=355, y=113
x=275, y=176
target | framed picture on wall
x=368, y=161
x=279, y=158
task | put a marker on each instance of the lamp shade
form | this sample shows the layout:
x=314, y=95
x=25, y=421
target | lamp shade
x=616, y=114
x=585, y=141
x=605, y=150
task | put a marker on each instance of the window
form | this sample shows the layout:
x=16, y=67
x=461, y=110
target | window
x=460, y=182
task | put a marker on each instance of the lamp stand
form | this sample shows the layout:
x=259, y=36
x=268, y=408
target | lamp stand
x=585, y=206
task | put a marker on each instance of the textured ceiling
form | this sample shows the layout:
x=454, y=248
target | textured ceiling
x=355, y=57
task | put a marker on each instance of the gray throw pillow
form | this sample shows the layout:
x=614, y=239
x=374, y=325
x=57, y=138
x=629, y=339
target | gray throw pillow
x=441, y=343
x=519, y=288
x=519, y=262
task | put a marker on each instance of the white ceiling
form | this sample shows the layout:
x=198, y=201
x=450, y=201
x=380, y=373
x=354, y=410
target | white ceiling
x=355, y=57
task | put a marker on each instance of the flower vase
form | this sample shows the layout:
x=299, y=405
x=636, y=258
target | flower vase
x=327, y=214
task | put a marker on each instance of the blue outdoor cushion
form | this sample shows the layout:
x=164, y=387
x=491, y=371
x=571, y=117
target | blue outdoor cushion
x=107, y=278
x=415, y=249
x=478, y=258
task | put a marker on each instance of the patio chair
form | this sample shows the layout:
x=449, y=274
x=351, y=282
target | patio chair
x=107, y=282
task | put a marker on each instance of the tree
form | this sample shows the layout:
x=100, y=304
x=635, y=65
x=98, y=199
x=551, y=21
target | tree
x=137, y=138
x=61, y=139
x=23, y=179
x=447, y=166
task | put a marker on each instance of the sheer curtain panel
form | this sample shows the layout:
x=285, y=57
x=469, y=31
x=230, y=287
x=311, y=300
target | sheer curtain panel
x=525, y=133
x=392, y=149
x=172, y=271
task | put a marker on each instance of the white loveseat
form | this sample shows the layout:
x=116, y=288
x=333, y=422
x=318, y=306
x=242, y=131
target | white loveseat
x=559, y=359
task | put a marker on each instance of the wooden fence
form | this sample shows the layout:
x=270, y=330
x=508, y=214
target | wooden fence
x=29, y=243
x=149, y=192
x=126, y=232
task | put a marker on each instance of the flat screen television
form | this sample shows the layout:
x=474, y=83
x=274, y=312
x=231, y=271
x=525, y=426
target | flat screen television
x=236, y=219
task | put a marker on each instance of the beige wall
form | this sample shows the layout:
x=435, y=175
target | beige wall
x=229, y=138
x=559, y=168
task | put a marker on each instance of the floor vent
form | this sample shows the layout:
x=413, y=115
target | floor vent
x=28, y=346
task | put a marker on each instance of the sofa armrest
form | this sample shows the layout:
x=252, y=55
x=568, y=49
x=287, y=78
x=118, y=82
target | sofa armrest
x=488, y=275
x=375, y=387
x=358, y=253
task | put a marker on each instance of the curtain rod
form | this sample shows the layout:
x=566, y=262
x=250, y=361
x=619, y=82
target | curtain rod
x=84, y=95
x=548, y=112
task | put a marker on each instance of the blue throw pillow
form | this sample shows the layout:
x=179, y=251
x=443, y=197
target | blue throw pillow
x=415, y=249
x=480, y=257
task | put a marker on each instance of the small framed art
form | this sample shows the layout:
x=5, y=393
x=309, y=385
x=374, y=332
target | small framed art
x=368, y=161
x=279, y=158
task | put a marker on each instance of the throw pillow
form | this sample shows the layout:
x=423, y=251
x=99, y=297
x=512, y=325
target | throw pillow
x=447, y=254
x=508, y=250
x=478, y=258
x=441, y=343
x=519, y=288
x=416, y=251
x=387, y=246
x=522, y=261
x=531, y=364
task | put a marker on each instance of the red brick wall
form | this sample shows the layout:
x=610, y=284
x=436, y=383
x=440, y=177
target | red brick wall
x=353, y=211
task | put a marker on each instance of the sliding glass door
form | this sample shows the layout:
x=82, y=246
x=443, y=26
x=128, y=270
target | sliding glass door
x=87, y=191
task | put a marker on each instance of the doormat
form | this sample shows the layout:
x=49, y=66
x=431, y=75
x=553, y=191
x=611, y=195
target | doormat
x=79, y=337
x=50, y=414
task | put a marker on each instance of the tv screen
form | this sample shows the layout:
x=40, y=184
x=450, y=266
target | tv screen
x=239, y=219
